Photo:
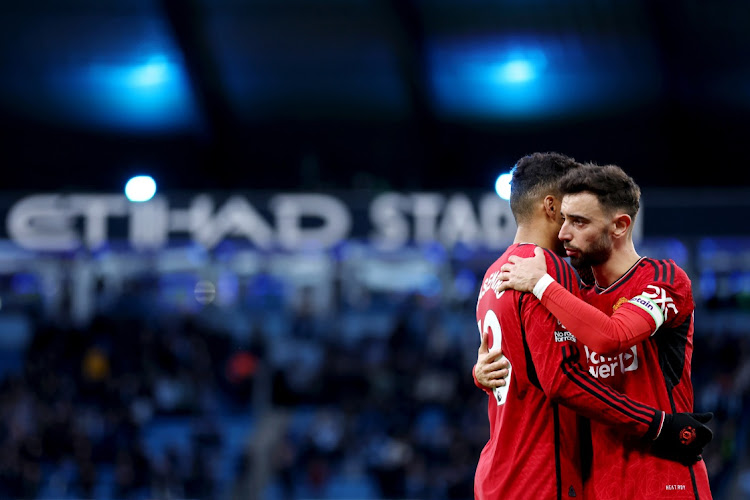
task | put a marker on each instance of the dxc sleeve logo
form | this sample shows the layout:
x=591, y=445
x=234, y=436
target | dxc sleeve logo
x=659, y=296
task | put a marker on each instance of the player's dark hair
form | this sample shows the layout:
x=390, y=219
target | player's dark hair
x=535, y=176
x=614, y=189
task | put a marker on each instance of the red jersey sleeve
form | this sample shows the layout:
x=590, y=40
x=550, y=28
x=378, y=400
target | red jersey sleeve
x=604, y=334
x=660, y=301
x=669, y=295
x=554, y=360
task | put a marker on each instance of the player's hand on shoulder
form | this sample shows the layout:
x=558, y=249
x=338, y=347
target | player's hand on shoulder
x=523, y=273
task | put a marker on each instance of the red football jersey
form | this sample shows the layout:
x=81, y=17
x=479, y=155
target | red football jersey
x=653, y=366
x=533, y=449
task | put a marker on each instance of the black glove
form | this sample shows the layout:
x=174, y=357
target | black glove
x=683, y=437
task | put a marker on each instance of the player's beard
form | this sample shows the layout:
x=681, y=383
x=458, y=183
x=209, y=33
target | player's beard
x=597, y=253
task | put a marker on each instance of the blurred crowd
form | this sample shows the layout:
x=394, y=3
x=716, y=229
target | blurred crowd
x=372, y=397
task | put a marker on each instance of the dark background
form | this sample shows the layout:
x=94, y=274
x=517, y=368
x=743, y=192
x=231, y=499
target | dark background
x=308, y=94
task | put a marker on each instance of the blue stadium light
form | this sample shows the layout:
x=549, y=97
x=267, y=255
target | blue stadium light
x=521, y=77
x=140, y=188
x=157, y=71
x=509, y=79
x=502, y=185
x=516, y=71
x=147, y=92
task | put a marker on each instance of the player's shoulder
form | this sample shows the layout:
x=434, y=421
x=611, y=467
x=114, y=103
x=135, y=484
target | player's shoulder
x=669, y=286
x=557, y=267
x=664, y=271
x=521, y=250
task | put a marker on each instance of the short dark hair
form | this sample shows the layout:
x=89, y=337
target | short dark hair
x=535, y=176
x=614, y=189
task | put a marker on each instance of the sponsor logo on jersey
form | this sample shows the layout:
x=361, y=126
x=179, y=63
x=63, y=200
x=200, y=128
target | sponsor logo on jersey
x=609, y=366
x=662, y=300
x=643, y=302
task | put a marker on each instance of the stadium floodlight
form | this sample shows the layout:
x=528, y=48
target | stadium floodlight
x=132, y=90
x=157, y=71
x=516, y=71
x=140, y=188
x=502, y=185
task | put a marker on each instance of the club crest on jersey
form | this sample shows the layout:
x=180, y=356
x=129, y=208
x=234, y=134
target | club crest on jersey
x=619, y=302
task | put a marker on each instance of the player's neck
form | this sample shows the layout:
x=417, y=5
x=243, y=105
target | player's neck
x=528, y=234
x=616, y=266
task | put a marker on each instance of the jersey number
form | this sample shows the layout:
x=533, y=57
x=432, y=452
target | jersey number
x=491, y=323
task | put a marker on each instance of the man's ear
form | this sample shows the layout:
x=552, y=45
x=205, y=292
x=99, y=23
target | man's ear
x=622, y=223
x=549, y=207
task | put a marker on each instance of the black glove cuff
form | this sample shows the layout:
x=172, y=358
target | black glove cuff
x=657, y=423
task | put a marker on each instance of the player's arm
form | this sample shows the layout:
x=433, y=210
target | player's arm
x=630, y=324
x=555, y=361
x=554, y=366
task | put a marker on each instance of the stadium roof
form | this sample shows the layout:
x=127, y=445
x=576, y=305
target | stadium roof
x=406, y=94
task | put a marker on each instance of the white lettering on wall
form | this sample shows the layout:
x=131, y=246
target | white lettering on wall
x=47, y=222
x=387, y=214
x=237, y=217
x=496, y=220
x=290, y=221
x=425, y=208
x=460, y=223
x=290, y=209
